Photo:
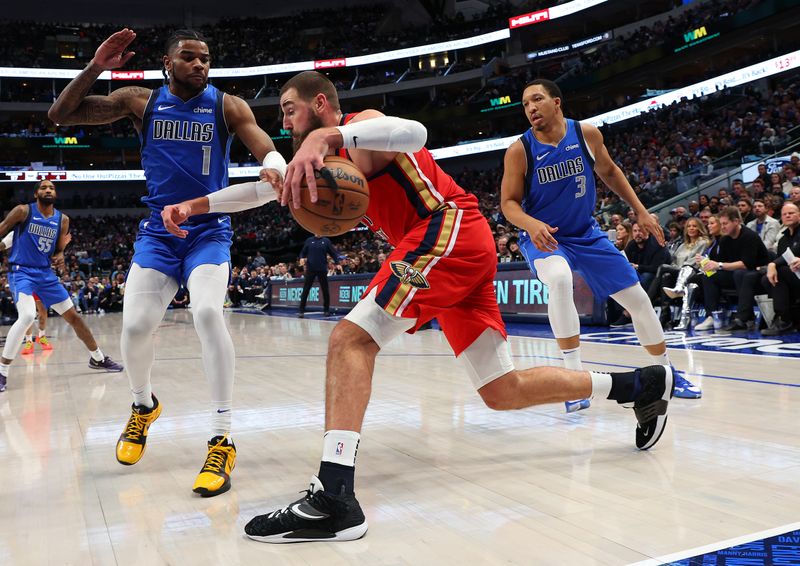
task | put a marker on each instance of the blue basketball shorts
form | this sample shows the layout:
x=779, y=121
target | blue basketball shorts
x=605, y=268
x=208, y=242
x=40, y=280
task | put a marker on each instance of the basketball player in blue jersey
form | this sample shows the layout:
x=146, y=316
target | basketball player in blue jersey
x=40, y=235
x=185, y=129
x=548, y=191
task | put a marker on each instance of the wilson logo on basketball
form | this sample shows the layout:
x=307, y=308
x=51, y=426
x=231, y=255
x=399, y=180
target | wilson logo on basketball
x=407, y=274
x=341, y=175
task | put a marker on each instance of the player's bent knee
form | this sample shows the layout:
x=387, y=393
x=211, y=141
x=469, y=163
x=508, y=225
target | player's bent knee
x=501, y=393
x=207, y=315
x=347, y=336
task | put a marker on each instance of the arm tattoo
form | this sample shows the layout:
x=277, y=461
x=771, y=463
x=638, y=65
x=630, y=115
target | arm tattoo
x=73, y=106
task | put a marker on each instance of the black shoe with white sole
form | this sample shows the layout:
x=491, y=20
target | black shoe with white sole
x=319, y=516
x=650, y=406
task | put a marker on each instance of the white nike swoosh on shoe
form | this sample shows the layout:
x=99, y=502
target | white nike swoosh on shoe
x=162, y=107
x=296, y=510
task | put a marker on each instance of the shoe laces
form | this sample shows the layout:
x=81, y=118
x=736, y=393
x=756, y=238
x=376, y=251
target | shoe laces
x=136, y=425
x=215, y=461
x=44, y=340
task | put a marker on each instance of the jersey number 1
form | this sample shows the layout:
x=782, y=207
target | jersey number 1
x=206, y=159
x=581, y=180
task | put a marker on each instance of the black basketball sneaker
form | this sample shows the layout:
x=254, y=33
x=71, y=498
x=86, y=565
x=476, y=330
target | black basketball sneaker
x=650, y=407
x=319, y=516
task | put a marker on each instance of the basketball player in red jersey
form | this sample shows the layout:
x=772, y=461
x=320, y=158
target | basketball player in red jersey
x=443, y=266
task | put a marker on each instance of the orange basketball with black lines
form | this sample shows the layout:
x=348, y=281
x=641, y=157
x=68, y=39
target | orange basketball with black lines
x=342, y=199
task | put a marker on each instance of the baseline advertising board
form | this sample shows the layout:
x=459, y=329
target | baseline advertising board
x=518, y=294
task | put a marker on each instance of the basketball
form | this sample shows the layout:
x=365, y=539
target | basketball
x=342, y=199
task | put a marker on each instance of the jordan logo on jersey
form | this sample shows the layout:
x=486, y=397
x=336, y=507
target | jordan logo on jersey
x=561, y=170
x=183, y=130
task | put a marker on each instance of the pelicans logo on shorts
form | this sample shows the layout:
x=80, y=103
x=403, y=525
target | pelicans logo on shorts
x=408, y=274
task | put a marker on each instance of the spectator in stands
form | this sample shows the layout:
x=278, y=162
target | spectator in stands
x=646, y=256
x=624, y=235
x=794, y=194
x=764, y=225
x=782, y=280
x=679, y=271
x=513, y=248
x=704, y=215
x=111, y=298
x=181, y=298
x=314, y=257
x=503, y=254
x=741, y=252
x=745, y=206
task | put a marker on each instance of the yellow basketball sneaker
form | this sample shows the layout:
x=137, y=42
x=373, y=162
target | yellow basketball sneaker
x=215, y=477
x=27, y=348
x=131, y=443
x=45, y=344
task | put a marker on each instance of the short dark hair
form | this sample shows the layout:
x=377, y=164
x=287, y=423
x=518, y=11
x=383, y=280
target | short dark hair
x=39, y=184
x=550, y=87
x=309, y=84
x=181, y=34
x=731, y=213
x=745, y=199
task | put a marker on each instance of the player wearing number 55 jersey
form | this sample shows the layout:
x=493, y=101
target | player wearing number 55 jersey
x=40, y=235
x=185, y=129
x=548, y=191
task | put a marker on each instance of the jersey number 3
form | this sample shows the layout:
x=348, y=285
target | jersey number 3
x=581, y=180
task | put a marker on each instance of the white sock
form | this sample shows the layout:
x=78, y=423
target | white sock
x=29, y=337
x=661, y=359
x=572, y=359
x=221, y=419
x=601, y=384
x=340, y=447
x=98, y=356
x=41, y=333
x=144, y=398
x=4, y=368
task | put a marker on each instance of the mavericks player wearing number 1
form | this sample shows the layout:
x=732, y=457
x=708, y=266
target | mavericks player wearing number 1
x=41, y=232
x=548, y=191
x=185, y=129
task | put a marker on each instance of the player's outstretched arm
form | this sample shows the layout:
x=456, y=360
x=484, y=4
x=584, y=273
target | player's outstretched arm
x=512, y=192
x=18, y=214
x=613, y=176
x=73, y=106
x=372, y=139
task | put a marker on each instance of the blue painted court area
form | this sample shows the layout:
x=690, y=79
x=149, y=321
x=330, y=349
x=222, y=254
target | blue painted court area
x=740, y=343
x=770, y=549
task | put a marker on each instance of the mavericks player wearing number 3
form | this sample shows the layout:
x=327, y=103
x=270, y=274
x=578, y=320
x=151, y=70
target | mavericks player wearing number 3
x=185, y=129
x=548, y=191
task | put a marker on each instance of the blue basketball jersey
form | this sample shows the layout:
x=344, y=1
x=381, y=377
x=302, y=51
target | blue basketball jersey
x=35, y=239
x=559, y=183
x=185, y=147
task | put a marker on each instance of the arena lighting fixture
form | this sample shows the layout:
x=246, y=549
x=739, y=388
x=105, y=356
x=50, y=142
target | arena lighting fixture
x=748, y=74
x=552, y=13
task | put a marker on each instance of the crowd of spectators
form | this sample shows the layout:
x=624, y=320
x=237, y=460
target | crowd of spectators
x=653, y=150
x=662, y=31
x=240, y=42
